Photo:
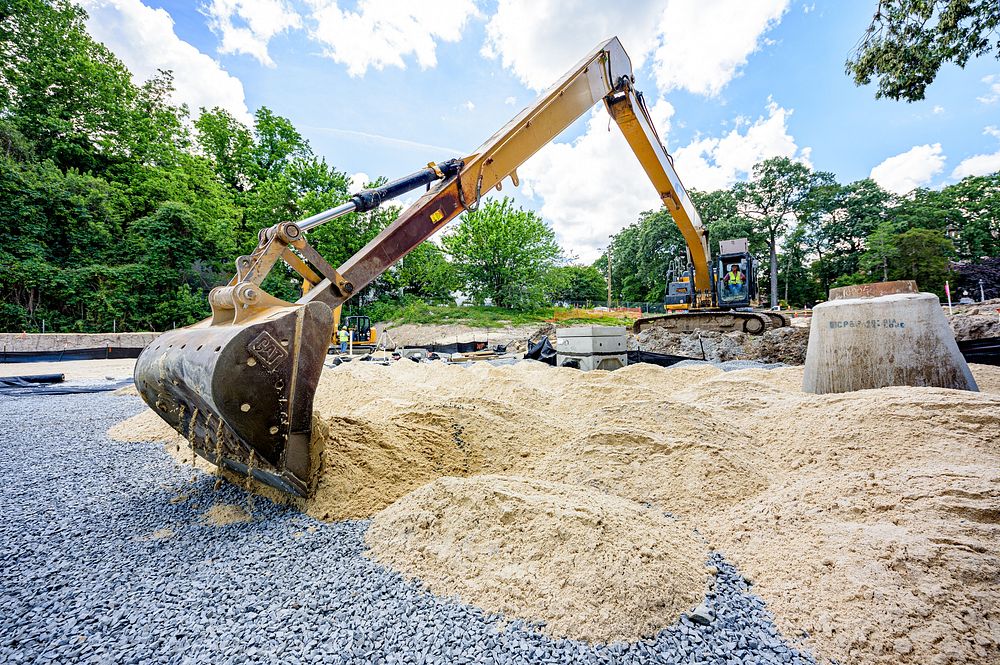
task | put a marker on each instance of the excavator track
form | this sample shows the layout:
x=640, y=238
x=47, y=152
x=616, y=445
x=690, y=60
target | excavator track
x=754, y=323
x=778, y=320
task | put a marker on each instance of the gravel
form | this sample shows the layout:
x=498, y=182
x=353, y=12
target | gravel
x=85, y=579
x=730, y=365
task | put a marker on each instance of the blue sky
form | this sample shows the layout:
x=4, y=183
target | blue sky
x=382, y=87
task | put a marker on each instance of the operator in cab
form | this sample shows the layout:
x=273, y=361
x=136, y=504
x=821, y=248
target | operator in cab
x=734, y=280
x=343, y=337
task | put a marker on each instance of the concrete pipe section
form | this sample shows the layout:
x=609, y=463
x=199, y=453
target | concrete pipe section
x=884, y=334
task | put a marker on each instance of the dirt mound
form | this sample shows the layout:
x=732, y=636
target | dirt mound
x=222, y=514
x=514, y=337
x=976, y=323
x=591, y=566
x=782, y=345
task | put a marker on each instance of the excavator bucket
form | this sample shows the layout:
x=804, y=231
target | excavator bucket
x=242, y=393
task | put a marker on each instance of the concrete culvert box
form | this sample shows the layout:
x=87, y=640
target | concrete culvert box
x=878, y=335
x=592, y=347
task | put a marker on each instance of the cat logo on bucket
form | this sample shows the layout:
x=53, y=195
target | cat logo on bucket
x=267, y=350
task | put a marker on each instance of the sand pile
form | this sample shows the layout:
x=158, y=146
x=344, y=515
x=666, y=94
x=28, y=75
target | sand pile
x=845, y=509
x=591, y=566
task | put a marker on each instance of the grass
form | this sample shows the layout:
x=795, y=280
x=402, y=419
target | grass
x=478, y=316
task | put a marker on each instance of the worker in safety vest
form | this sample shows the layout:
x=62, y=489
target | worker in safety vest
x=734, y=279
x=343, y=337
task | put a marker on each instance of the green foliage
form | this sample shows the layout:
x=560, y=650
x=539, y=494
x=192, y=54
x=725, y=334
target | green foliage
x=778, y=188
x=411, y=310
x=502, y=253
x=882, y=251
x=923, y=255
x=112, y=211
x=976, y=220
x=720, y=214
x=424, y=273
x=642, y=254
x=909, y=40
x=575, y=284
x=118, y=208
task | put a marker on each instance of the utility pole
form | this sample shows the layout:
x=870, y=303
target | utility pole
x=609, y=277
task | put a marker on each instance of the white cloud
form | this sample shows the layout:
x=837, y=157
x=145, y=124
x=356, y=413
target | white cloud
x=469, y=106
x=979, y=164
x=914, y=168
x=937, y=110
x=593, y=186
x=263, y=19
x=144, y=39
x=709, y=163
x=993, y=96
x=358, y=182
x=510, y=101
x=694, y=46
x=703, y=44
x=538, y=40
x=382, y=33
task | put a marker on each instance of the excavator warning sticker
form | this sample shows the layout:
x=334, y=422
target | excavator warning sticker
x=267, y=350
x=437, y=215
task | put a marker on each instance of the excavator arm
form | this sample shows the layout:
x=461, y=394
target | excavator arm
x=240, y=384
x=604, y=75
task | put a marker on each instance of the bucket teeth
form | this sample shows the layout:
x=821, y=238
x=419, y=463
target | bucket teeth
x=242, y=394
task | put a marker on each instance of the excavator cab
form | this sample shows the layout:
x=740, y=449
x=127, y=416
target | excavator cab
x=735, y=275
x=362, y=332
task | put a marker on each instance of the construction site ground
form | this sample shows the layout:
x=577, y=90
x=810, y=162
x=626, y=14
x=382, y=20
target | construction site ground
x=516, y=514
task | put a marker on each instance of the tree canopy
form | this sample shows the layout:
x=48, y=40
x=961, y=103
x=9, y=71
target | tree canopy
x=502, y=252
x=908, y=41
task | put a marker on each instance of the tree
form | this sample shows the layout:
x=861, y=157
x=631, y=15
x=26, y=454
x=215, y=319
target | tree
x=425, y=273
x=839, y=219
x=641, y=256
x=770, y=200
x=229, y=144
x=986, y=273
x=719, y=211
x=881, y=251
x=800, y=285
x=975, y=202
x=908, y=41
x=575, y=284
x=67, y=94
x=923, y=256
x=502, y=253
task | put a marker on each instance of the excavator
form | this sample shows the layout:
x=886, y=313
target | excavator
x=240, y=384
